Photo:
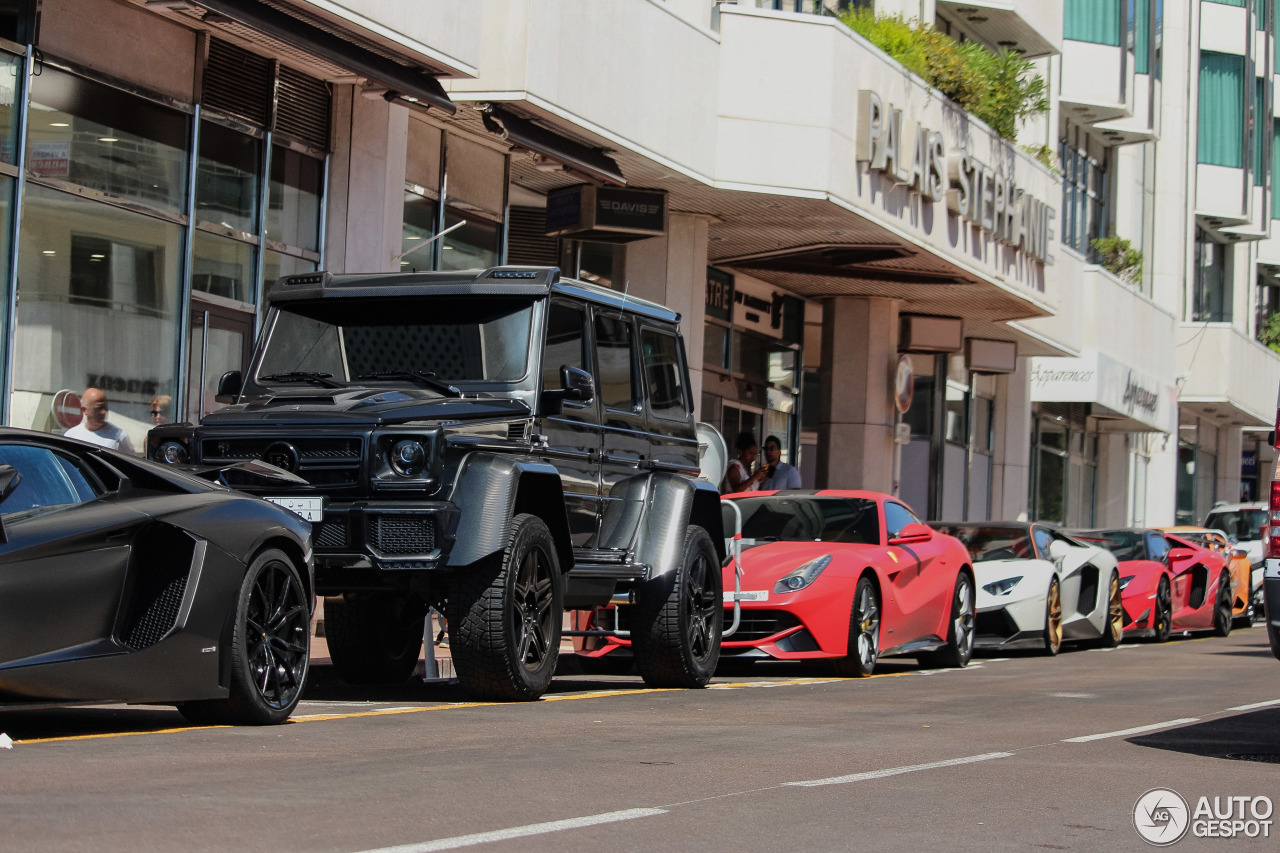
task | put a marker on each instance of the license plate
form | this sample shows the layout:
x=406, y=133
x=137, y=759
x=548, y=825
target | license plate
x=747, y=595
x=312, y=509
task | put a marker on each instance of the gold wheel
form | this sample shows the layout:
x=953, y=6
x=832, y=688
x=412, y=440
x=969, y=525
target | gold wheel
x=1053, y=619
x=1114, y=629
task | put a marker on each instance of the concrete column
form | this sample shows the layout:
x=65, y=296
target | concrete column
x=366, y=186
x=1162, y=481
x=1011, y=479
x=856, y=416
x=1230, y=444
x=672, y=271
x=1112, y=496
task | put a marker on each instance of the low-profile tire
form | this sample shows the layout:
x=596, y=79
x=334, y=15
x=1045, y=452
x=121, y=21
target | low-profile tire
x=1052, y=619
x=1222, y=607
x=1162, y=617
x=270, y=648
x=1113, y=627
x=505, y=617
x=864, y=632
x=679, y=618
x=374, y=639
x=959, y=648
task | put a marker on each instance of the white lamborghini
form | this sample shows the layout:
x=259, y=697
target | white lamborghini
x=1038, y=587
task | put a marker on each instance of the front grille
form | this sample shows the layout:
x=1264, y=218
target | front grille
x=322, y=461
x=331, y=533
x=995, y=623
x=401, y=534
x=758, y=624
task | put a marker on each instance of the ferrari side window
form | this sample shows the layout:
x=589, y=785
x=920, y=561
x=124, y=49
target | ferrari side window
x=896, y=517
x=49, y=480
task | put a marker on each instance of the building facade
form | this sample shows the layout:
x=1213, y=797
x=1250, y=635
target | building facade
x=909, y=300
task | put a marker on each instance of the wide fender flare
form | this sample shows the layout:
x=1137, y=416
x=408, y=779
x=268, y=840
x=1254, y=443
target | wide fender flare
x=675, y=503
x=489, y=491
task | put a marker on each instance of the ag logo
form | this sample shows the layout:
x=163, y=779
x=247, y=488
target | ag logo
x=282, y=454
x=1161, y=816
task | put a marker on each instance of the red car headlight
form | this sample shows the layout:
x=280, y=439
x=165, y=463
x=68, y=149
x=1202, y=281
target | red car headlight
x=800, y=578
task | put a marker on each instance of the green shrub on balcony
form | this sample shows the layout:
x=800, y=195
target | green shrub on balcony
x=1002, y=89
x=1269, y=334
x=1118, y=255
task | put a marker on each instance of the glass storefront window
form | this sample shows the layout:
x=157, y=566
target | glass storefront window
x=294, y=194
x=98, y=289
x=957, y=417
x=473, y=246
x=418, y=228
x=715, y=346
x=10, y=68
x=89, y=134
x=222, y=266
x=226, y=178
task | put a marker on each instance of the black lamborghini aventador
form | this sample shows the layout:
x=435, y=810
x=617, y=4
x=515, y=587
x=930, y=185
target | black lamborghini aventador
x=125, y=581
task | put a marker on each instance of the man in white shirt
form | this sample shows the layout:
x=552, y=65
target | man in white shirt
x=94, y=428
x=781, y=475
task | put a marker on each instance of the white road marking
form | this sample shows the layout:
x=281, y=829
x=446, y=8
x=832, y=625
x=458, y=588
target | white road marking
x=1255, y=705
x=1074, y=695
x=1137, y=730
x=894, y=771
x=519, y=832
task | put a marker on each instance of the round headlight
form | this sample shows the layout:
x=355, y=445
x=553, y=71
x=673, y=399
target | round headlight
x=171, y=453
x=408, y=457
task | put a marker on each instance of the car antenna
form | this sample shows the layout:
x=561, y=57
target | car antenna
x=626, y=288
x=453, y=227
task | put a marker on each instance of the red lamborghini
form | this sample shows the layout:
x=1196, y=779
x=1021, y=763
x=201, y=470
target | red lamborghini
x=1168, y=583
x=841, y=575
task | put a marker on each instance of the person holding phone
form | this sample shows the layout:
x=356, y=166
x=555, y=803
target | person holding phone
x=778, y=474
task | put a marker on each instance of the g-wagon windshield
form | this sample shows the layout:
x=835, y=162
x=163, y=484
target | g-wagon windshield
x=446, y=339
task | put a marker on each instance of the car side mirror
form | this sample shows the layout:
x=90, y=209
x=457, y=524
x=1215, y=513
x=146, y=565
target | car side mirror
x=575, y=384
x=229, y=386
x=1177, y=554
x=912, y=534
x=1058, y=549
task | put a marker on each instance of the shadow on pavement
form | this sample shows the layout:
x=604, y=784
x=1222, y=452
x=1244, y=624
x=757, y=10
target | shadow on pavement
x=1254, y=733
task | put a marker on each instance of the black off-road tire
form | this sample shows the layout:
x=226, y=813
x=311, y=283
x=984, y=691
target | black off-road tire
x=864, y=632
x=679, y=618
x=505, y=617
x=270, y=648
x=374, y=639
x=960, y=633
x=1222, y=607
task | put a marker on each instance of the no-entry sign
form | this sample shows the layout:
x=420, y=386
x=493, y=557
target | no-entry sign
x=66, y=409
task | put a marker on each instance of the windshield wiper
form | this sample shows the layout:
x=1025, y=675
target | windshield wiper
x=323, y=379
x=422, y=377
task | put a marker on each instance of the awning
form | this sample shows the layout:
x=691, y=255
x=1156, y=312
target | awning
x=591, y=162
x=404, y=81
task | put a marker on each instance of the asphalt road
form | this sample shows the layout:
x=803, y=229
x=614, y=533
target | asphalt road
x=1023, y=753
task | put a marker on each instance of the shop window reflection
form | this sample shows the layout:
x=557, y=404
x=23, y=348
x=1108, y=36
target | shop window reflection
x=294, y=193
x=227, y=178
x=473, y=246
x=10, y=68
x=89, y=134
x=222, y=267
x=83, y=319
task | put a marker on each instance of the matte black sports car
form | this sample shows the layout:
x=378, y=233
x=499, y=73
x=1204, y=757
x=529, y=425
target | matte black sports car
x=126, y=581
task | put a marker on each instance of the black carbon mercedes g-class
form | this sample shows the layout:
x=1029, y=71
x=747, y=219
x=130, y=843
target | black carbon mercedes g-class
x=500, y=444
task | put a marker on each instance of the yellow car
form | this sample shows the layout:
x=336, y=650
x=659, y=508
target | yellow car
x=1238, y=565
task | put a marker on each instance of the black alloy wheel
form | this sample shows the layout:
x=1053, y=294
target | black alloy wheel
x=1162, y=619
x=1222, y=607
x=679, y=617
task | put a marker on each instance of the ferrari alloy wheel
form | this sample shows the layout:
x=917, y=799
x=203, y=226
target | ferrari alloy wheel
x=374, y=639
x=679, y=617
x=505, y=617
x=1162, y=618
x=1053, y=619
x=270, y=648
x=1113, y=629
x=959, y=647
x=1222, y=607
x=864, y=631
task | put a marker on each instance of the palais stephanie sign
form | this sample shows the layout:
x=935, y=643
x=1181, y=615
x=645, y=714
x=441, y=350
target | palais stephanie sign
x=976, y=192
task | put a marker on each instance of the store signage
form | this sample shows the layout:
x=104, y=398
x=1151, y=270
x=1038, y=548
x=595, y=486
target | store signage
x=1248, y=463
x=606, y=214
x=719, y=298
x=757, y=307
x=980, y=194
x=1119, y=390
x=50, y=159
